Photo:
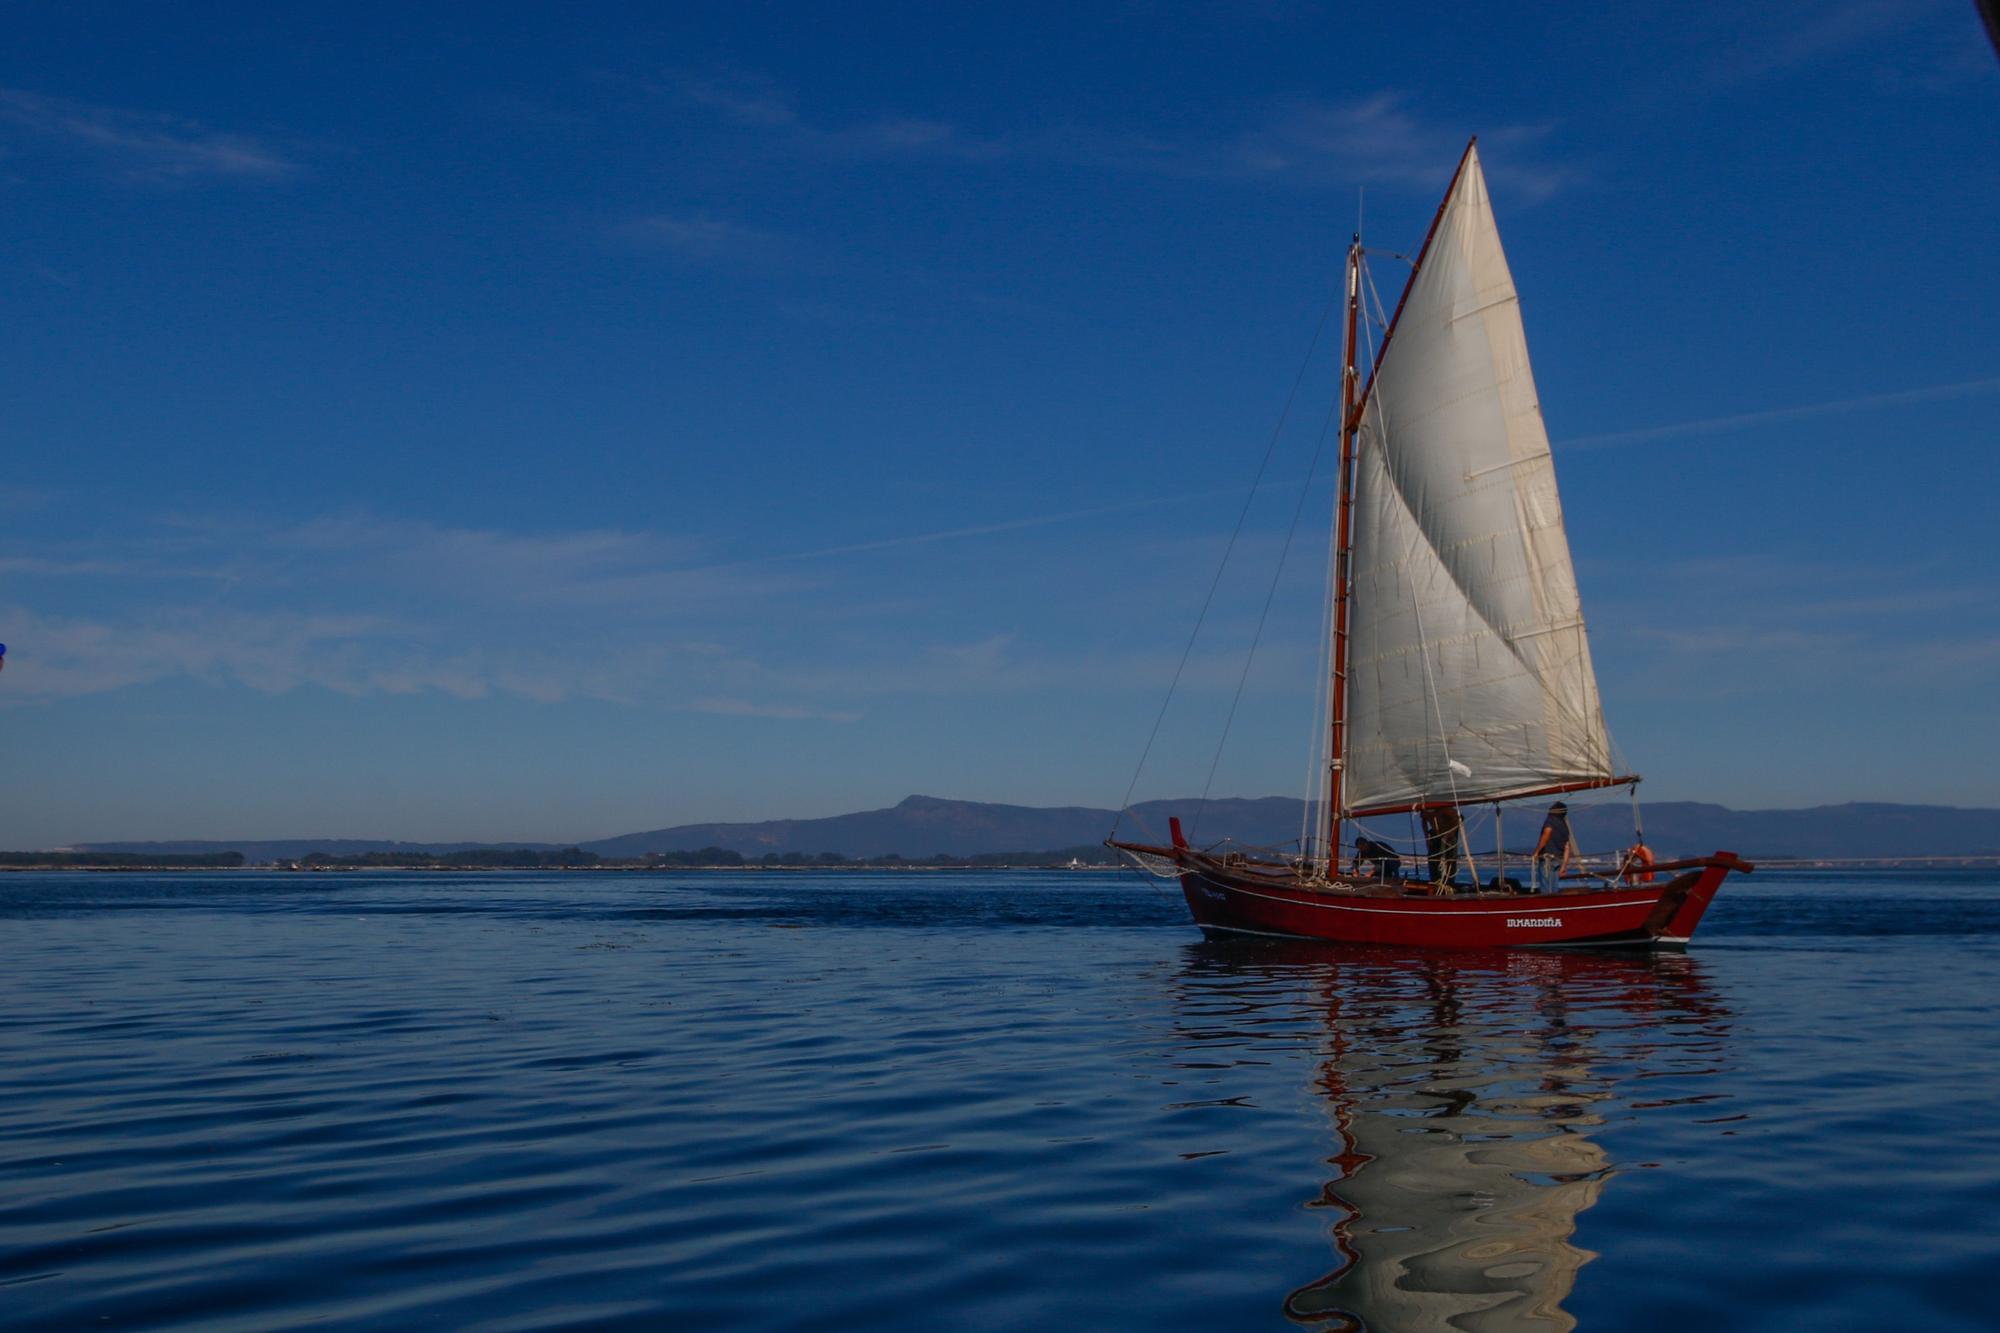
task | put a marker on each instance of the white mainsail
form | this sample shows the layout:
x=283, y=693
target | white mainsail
x=1466, y=644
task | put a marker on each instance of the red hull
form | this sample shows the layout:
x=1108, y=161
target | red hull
x=1268, y=898
x=1664, y=913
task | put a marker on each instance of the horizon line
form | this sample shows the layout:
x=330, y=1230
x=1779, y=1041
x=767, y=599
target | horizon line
x=105, y=844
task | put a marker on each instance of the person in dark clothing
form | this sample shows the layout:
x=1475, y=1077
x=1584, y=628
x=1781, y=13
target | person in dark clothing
x=1444, y=833
x=1553, y=849
x=1377, y=857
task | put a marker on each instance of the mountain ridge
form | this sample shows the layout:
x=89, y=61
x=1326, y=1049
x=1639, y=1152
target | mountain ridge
x=920, y=826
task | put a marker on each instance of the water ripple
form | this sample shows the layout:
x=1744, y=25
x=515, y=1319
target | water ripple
x=897, y=1100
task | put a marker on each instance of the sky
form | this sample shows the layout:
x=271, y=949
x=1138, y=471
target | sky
x=547, y=422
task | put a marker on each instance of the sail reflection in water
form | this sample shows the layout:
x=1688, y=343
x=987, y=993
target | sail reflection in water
x=1466, y=1095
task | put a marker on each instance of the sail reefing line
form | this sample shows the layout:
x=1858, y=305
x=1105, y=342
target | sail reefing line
x=1463, y=635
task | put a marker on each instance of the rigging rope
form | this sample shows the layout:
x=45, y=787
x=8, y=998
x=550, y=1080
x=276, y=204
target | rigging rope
x=1316, y=774
x=1154, y=867
x=1270, y=594
x=1227, y=551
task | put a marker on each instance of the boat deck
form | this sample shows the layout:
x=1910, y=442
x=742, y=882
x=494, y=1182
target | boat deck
x=1279, y=874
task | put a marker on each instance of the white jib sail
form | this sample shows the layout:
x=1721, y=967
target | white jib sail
x=1466, y=648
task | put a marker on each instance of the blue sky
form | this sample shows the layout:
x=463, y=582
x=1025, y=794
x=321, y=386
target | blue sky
x=570, y=421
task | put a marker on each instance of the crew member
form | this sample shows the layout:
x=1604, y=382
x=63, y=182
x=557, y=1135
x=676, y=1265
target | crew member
x=1377, y=858
x=1553, y=849
x=1444, y=831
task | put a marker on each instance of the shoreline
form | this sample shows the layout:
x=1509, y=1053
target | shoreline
x=906, y=867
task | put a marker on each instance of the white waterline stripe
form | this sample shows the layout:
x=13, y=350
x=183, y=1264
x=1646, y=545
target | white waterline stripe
x=1596, y=942
x=1434, y=911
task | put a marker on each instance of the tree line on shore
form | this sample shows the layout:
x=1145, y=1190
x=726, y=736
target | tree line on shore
x=121, y=860
x=475, y=858
x=721, y=856
x=566, y=858
x=572, y=858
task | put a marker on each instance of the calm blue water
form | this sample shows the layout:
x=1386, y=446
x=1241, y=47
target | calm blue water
x=990, y=1101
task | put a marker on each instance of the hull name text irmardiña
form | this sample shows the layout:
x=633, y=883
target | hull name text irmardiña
x=1534, y=921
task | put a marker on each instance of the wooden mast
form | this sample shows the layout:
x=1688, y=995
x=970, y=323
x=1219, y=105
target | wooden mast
x=1354, y=399
x=1350, y=423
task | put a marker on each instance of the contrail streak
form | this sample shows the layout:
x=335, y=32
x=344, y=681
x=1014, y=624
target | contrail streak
x=988, y=529
x=1710, y=425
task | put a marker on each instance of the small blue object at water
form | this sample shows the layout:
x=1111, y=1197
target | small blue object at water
x=986, y=1101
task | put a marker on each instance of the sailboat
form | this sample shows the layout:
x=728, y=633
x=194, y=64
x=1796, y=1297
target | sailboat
x=1459, y=668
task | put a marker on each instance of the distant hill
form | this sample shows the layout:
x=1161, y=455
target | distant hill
x=923, y=826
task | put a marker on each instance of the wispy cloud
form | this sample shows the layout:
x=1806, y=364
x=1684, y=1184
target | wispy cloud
x=634, y=574
x=1777, y=589
x=747, y=99
x=642, y=574
x=1380, y=139
x=995, y=666
x=41, y=566
x=703, y=238
x=732, y=707
x=598, y=613
x=1735, y=660
x=965, y=532
x=65, y=656
x=1738, y=421
x=143, y=145
x=1781, y=38
x=1791, y=621
x=276, y=651
x=363, y=605
x=756, y=102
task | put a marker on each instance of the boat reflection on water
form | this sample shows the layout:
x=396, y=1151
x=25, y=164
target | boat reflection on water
x=1465, y=1093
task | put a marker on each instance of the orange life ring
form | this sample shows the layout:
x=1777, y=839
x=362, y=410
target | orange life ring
x=1639, y=864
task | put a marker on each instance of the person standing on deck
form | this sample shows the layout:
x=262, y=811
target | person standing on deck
x=1444, y=829
x=1553, y=849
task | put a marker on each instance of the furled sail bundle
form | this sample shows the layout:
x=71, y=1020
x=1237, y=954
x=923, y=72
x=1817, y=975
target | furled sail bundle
x=1469, y=676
